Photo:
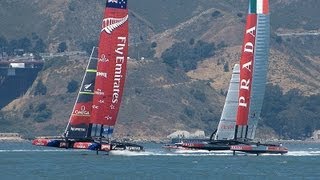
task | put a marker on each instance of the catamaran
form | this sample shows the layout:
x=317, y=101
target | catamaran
x=94, y=114
x=241, y=112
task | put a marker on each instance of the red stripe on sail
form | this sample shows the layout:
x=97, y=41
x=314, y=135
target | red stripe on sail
x=81, y=113
x=111, y=68
x=265, y=6
x=246, y=70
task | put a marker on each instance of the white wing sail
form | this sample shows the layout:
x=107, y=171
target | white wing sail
x=227, y=122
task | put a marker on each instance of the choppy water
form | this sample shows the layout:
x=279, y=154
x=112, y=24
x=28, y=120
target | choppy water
x=24, y=161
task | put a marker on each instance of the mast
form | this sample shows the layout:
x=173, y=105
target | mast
x=253, y=69
x=111, y=68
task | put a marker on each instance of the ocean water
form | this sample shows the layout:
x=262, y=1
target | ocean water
x=21, y=160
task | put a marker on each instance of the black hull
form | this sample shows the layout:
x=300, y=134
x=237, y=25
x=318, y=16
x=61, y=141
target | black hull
x=226, y=145
x=208, y=145
x=257, y=148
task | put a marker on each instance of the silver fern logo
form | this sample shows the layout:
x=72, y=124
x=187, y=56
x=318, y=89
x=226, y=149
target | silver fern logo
x=110, y=24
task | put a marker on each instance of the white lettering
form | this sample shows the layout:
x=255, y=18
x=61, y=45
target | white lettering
x=242, y=102
x=99, y=92
x=252, y=31
x=118, y=69
x=245, y=84
x=102, y=74
x=78, y=129
x=248, y=47
x=247, y=66
x=82, y=111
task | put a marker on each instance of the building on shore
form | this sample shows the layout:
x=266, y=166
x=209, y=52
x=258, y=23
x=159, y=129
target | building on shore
x=10, y=136
x=316, y=135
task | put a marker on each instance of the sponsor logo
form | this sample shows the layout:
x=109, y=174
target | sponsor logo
x=102, y=74
x=78, y=129
x=80, y=145
x=227, y=127
x=248, y=51
x=108, y=117
x=105, y=147
x=110, y=24
x=82, y=111
x=236, y=147
x=115, y=147
x=87, y=86
x=103, y=58
x=132, y=148
x=99, y=92
x=120, y=59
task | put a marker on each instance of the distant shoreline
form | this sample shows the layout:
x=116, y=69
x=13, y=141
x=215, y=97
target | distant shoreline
x=158, y=141
x=11, y=137
x=16, y=137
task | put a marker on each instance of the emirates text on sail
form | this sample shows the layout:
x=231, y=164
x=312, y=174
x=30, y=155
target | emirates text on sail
x=120, y=58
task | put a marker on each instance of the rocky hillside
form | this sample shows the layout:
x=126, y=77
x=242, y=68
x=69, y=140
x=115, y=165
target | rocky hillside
x=160, y=99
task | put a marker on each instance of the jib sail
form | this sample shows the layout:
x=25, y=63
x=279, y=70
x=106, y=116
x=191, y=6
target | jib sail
x=78, y=126
x=227, y=122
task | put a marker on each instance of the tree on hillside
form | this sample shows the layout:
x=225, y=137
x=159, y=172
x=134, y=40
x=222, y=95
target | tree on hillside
x=187, y=55
x=3, y=44
x=87, y=46
x=226, y=67
x=13, y=44
x=73, y=86
x=25, y=44
x=40, y=89
x=40, y=46
x=62, y=47
x=153, y=45
x=291, y=115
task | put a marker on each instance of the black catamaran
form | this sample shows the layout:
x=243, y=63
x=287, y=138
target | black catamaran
x=94, y=114
x=241, y=112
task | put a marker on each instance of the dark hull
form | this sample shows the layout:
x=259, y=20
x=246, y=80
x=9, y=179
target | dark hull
x=87, y=144
x=208, y=145
x=257, y=148
x=233, y=145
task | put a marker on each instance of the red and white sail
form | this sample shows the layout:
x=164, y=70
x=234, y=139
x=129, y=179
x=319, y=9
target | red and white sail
x=253, y=69
x=112, y=65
